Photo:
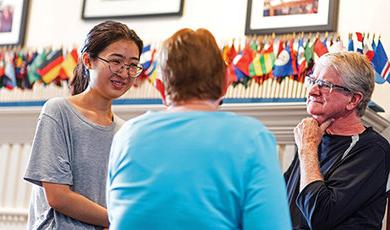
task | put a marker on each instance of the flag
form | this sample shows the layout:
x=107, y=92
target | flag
x=309, y=53
x=319, y=48
x=283, y=64
x=381, y=62
x=301, y=59
x=245, y=60
x=350, y=44
x=69, y=63
x=368, y=50
x=147, y=56
x=237, y=72
x=293, y=55
x=230, y=54
x=50, y=69
x=32, y=68
x=9, y=80
x=359, y=45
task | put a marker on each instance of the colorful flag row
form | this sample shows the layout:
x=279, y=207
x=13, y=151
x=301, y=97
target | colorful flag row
x=258, y=60
x=23, y=68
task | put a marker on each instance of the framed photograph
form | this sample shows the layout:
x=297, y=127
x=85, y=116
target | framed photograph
x=13, y=15
x=286, y=16
x=111, y=9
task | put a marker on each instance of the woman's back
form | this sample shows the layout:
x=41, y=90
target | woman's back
x=195, y=170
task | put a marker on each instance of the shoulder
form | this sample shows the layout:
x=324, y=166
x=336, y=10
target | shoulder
x=375, y=140
x=54, y=106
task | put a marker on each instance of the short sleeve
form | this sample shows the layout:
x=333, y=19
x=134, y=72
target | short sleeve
x=49, y=159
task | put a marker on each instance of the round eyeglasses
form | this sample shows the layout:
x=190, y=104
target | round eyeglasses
x=310, y=81
x=117, y=66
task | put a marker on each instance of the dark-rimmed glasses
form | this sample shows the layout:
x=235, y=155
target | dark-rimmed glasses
x=117, y=66
x=310, y=81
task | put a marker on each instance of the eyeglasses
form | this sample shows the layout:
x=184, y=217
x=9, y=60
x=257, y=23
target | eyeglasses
x=310, y=81
x=117, y=66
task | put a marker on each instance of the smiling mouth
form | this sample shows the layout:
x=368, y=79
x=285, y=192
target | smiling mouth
x=118, y=84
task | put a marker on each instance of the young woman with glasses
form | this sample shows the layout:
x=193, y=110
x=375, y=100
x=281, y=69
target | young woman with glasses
x=69, y=158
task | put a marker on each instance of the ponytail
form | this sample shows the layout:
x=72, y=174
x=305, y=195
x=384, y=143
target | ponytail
x=80, y=79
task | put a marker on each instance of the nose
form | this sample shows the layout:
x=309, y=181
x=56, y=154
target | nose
x=314, y=90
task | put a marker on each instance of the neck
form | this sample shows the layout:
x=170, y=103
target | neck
x=194, y=105
x=346, y=126
x=93, y=101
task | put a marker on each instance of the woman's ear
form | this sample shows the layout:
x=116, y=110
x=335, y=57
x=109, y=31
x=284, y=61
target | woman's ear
x=86, y=60
x=355, y=101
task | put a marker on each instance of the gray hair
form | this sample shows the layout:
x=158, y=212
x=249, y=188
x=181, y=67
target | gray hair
x=356, y=73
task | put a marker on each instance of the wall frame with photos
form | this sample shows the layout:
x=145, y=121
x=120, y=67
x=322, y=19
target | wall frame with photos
x=271, y=16
x=13, y=17
x=114, y=9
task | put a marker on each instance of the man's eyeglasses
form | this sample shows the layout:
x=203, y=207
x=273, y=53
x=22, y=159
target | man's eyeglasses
x=310, y=81
x=117, y=66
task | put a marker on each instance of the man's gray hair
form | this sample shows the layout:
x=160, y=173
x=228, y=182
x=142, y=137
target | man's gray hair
x=356, y=73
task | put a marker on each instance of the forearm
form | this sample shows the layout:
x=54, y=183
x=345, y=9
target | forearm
x=309, y=168
x=81, y=208
x=84, y=210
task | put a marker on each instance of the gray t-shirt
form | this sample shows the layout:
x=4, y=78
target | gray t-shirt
x=67, y=149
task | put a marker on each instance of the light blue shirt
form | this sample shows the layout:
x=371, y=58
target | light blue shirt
x=195, y=170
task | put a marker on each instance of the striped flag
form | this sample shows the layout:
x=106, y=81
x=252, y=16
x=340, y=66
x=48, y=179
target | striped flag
x=359, y=45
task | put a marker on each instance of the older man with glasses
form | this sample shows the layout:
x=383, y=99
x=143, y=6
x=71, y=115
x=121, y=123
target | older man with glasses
x=338, y=177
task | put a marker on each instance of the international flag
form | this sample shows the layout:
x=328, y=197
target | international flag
x=245, y=60
x=32, y=68
x=229, y=53
x=69, y=63
x=147, y=56
x=293, y=55
x=359, y=44
x=50, y=69
x=263, y=62
x=350, y=43
x=9, y=80
x=368, y=50
x=309, y=53
x=381, y=62
x=301, y=59
x=283, y=64
x=319, y=48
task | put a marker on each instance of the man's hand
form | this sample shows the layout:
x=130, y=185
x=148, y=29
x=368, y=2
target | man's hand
x=308, y=134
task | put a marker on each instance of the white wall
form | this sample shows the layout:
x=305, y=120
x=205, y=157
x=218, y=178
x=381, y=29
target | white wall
x=58, y=23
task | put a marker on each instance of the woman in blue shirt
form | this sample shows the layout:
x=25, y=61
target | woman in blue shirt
x=191, y=166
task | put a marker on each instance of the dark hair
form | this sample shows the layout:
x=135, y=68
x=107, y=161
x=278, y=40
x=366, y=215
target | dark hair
x=192, y=66
x=100, y=36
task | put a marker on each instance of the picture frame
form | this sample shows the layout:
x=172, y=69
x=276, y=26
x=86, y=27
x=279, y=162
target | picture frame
x=281, y=19
x=114, y=9
x=13, y=16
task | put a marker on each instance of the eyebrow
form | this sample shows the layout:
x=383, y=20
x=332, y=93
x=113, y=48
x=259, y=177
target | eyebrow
x=121, y=56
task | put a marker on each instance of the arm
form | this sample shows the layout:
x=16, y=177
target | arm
x=325, y=203
x=308, y=136
x=359, y=179
x=72, y=204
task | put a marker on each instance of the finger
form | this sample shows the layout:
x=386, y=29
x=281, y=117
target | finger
x=326, y=124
